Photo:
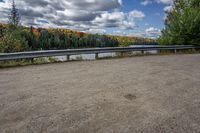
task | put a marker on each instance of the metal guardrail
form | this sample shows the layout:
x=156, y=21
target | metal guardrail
x=69, y=52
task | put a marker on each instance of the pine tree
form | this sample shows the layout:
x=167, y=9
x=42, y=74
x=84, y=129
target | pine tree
x=14, y=18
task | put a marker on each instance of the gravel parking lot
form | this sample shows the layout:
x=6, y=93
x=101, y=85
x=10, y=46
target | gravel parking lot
x=147, y=94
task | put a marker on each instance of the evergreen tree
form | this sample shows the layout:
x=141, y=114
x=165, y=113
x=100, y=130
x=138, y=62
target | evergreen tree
x=14, y=18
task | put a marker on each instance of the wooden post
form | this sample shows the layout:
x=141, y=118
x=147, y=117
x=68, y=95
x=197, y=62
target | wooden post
x=96, y=56
x=68, y=57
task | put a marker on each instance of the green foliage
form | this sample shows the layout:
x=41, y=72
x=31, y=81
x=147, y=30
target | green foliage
x=125, y=41
x=52, y=59
x=13, y=42
x=182, y=24
x=55, y=39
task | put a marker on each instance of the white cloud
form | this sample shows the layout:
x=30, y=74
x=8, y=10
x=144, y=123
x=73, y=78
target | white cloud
x=168, y=8
x=120, y=2
x=4, y=11
x=119, y=33
x=66, y=11
x=96, y=31
x=82, y=15
x=118, y=19
x=136, y=14
x=152, y=32
x=167, y=2
x=146, y=2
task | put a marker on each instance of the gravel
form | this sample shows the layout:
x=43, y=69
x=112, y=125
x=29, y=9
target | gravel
x=138, y=94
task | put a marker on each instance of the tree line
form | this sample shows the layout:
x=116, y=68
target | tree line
x=16, y=38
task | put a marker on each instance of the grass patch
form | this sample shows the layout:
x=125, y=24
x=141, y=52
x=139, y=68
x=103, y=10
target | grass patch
x=25, y=62
x=15, y=63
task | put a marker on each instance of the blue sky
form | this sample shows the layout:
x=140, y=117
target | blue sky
x=118, y=17
x=154, y=12
x=154, y=15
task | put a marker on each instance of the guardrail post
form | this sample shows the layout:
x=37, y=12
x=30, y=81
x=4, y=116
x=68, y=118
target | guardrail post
x=68, y=57
x=142, y=52
x=175, y=51
x=32, y=60
x=122, y=54
x=96, y=56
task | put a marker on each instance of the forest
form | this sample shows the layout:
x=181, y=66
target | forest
x=19, y=38
x=16, y=38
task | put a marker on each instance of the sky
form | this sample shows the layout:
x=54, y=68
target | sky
x=143, y=18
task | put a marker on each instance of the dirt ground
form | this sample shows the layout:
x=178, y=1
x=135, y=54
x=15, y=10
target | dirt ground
x=141, y=94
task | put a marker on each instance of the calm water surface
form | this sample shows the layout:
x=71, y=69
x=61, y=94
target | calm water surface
x=103, y=55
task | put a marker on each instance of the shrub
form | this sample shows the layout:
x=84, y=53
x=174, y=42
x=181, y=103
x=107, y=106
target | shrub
x=11, y=43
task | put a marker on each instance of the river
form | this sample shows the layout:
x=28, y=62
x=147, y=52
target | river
x=103, y=55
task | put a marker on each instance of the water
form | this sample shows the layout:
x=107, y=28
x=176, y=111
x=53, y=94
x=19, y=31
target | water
x=103, y=55
x=151, y=52
x=85, y=56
